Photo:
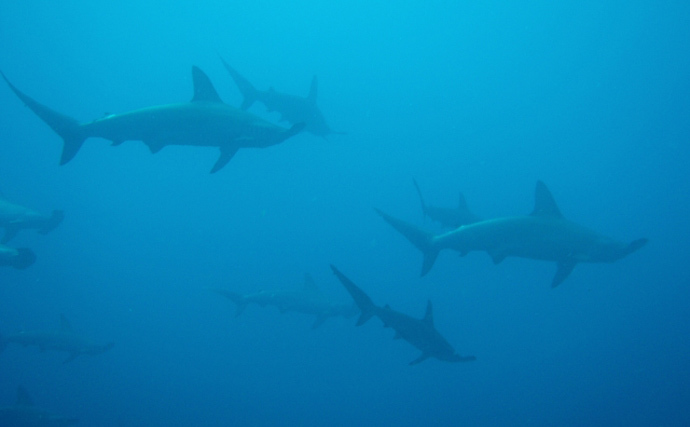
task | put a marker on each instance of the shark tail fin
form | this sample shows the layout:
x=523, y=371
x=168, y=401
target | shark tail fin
x=66, y=127
x=423, y=240
x=249, y=92
x=236, y=298
x=54, y=220
x=421, y=199
x=365, y=304
x=25, y=258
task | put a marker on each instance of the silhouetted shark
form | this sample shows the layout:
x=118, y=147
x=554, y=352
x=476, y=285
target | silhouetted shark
x=448, y=217
x=543, y=235
x=19, y=258
x=14, y=217
x=25, y=414
x=294, y=109
x=205, y=121
x=421, y=333
x=307, y=300
x=61, y=339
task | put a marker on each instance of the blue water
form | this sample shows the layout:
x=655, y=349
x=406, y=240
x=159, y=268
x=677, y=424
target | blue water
x=483, y=98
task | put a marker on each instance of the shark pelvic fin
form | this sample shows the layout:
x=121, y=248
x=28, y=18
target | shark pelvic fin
x=563, y=271
x=226, y=154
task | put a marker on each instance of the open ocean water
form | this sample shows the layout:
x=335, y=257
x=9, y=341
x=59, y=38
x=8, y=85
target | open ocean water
x=483, y=98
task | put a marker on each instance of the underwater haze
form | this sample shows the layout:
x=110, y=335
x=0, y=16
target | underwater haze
x=483, y=98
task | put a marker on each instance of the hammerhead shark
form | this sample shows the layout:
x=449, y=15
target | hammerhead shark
x=61, y=339
x=421, y=333
x=308, y=300
x=19, y=258
x=543, y=235
x=205, y=121
x=25, y=414
x=292, y=108
x=14, y=217
x=448, y=217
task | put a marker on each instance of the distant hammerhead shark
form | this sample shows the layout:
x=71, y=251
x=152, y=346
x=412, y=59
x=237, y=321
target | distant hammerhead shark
x=25, y=414
x=308, y=300
x=19, y=258
x=205, y=121
x=448, y=217
x=292, y=108
x=14, y=217
x=421, y=333
x=61, y=339
x=543, y=235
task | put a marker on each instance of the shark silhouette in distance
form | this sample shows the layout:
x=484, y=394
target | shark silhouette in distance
x=19, y=258
x=205, y=121
x=14, y=217
x=543, y=235
x=61, y=339
x=308, y=300
x=448, y=217
x=292, y=108
x=25, y=414
x=421, y=333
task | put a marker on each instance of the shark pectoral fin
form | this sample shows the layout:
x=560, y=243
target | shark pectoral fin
x=563, y=271
x=420, y=359
x=226, y=154
x=10, y=232
x=319, y=321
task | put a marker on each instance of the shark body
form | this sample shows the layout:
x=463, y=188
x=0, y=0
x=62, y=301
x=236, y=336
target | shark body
x=421, y=333
x=543, y=235
x=292, y=108
x=25, y=414
x=307, y=300
x=448, y=217
x=205, y=121
x=14, y=217
x=62, y=339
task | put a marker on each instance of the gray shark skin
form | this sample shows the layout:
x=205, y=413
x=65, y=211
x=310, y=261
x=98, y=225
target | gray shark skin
x=543, y=235
x=292, y=108
x=19, y=258
x=205, y=121
x=448, y=217
x=63, y=339
x=307, y=300
x=25, y=414
x=421, y=333
x=14, y=217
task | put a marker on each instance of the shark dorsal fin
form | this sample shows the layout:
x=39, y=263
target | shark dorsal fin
x=429, y=315
x=64, y=324
x=309, y=284
x=203, y=88
x=313, y=90
x=23, y=398
x=544, y=204
x=462, y=203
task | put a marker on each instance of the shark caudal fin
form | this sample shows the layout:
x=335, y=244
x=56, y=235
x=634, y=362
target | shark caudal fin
x=365, y=304
x=423, y=240
x=421, y=199
x=52, y=222
x=238, y=299
x=249, y=92
x=66, y=127
x=25, y=258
